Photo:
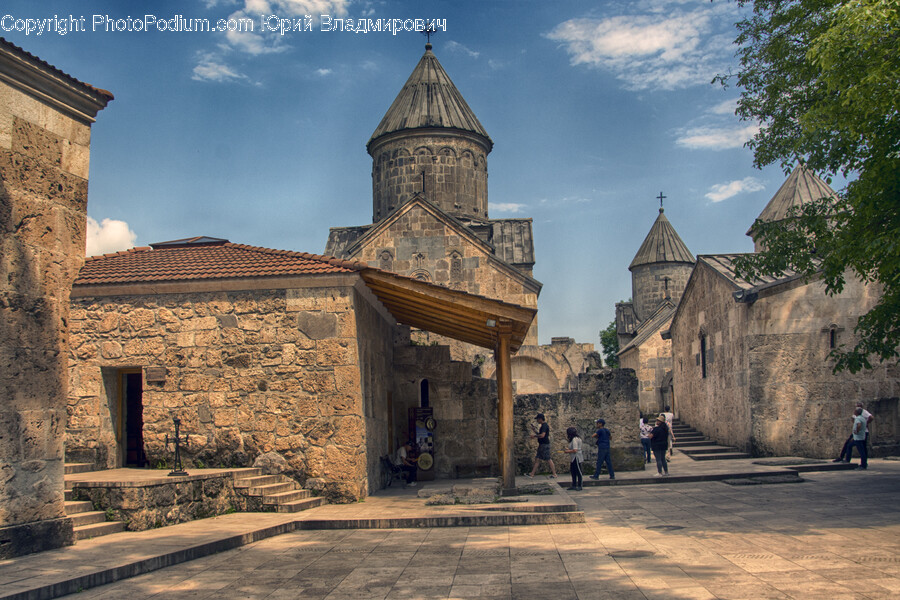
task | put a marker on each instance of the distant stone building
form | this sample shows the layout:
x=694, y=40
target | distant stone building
x=45, y=138
x=659, y=273
x=750, y=359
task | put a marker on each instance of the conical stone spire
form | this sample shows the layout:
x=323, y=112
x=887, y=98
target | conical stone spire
x=429, y=99
x=430, y=142
x=662, y=245
x=660, y=269
x=801, y=186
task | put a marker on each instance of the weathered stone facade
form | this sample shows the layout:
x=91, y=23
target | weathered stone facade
x=422, y=243
x=610, y=394
x=650, y=355
x=454, y=167
x=548, y=368
x=303, y=371
x=651, y=284
x=757, y=375
x=45, y=134
x=465, y=407
x=142, y=505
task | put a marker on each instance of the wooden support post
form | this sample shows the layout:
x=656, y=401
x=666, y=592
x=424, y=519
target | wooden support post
x=505, y=445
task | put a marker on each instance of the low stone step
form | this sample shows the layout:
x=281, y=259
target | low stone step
x=710, y=449
x=88, y=518
x=692, y=443
x=286, y=497
x=72, y=468
x=74, y=507
x=720, y=456
x=98, y=529
x=298, y=505
x=272, y=488
x=256, y=481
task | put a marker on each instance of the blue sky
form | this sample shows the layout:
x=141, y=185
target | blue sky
x=594, y=109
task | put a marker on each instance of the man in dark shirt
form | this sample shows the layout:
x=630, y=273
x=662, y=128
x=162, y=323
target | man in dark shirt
x=603, y=437
x=542, y=434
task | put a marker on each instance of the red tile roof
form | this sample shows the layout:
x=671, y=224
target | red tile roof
x=222, y=260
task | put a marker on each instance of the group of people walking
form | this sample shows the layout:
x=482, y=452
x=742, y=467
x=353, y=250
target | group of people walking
x=657, y=439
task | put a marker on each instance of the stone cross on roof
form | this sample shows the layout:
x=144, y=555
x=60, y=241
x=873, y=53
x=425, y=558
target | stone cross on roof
x=661, y=198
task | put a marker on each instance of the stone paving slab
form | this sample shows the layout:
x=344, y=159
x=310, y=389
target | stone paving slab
x=677, y=539
x=108, y=559
x=837, y=535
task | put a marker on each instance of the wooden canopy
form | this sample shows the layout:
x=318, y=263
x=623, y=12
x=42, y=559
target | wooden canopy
x=458, y=315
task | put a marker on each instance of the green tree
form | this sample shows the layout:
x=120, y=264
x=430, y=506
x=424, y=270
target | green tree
x=609, y=340
x=822, y=80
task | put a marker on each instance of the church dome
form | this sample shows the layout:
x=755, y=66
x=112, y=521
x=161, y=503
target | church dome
x=662, y=245
x=430, y=143
x=801, y=186
x=429, y=100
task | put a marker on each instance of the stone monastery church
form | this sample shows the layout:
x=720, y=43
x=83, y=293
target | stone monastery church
x=747, y=363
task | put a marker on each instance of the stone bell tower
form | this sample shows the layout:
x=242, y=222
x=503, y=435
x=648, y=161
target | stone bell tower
x=430, y=142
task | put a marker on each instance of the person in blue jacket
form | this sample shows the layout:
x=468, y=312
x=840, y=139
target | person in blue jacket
x=603, y=437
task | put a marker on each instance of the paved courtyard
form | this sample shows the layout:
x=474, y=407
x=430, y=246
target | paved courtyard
x=836, y=535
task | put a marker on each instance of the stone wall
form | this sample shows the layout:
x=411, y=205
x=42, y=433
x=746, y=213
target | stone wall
x=800, y=407
x=548, y=368
x=717, y=405
x=653, y=283
x=44, y=156
x=455, y=166
x=247, y=372
x=651, y=361
x=610, y=394
x=769, y=386
x=422, y=246
x=145, y=506
x=465, y=407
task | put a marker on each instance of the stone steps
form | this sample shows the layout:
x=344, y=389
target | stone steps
x=692, y=443
x=719, y=456
x=699, y=447
x=709, y=448
x=275, y=493
x=298, y=505
x=98, y=529
x=86, y=522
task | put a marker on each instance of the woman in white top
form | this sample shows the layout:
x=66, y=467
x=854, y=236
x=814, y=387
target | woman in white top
x=577, y=458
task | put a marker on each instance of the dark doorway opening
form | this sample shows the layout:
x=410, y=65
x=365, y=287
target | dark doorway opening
x=424, y=401
x=133, y=416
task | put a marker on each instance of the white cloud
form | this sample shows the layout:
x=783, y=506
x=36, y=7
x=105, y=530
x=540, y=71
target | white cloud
x=506, y=207
x=716, y=138
x=211, y=65
x=666, y=49
x=108, y=236
x=725, y=108
x=723, y=191
x=452, y=46
x=210, y=68
x=323, y=72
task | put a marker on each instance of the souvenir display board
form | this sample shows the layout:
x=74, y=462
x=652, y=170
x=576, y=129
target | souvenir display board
x=422, y=426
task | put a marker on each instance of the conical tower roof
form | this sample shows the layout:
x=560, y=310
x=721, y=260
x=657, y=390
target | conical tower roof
x=801, y=186
x=429, y=100
x=662, y=244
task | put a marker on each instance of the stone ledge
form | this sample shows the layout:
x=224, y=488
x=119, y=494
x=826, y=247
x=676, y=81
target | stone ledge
x=37, y=536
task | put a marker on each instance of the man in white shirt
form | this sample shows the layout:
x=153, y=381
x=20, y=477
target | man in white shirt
x=845, y=451
x=404, y=460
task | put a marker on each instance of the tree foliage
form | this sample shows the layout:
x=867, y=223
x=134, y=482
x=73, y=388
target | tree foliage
x=822, y=79
x=609, y=340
